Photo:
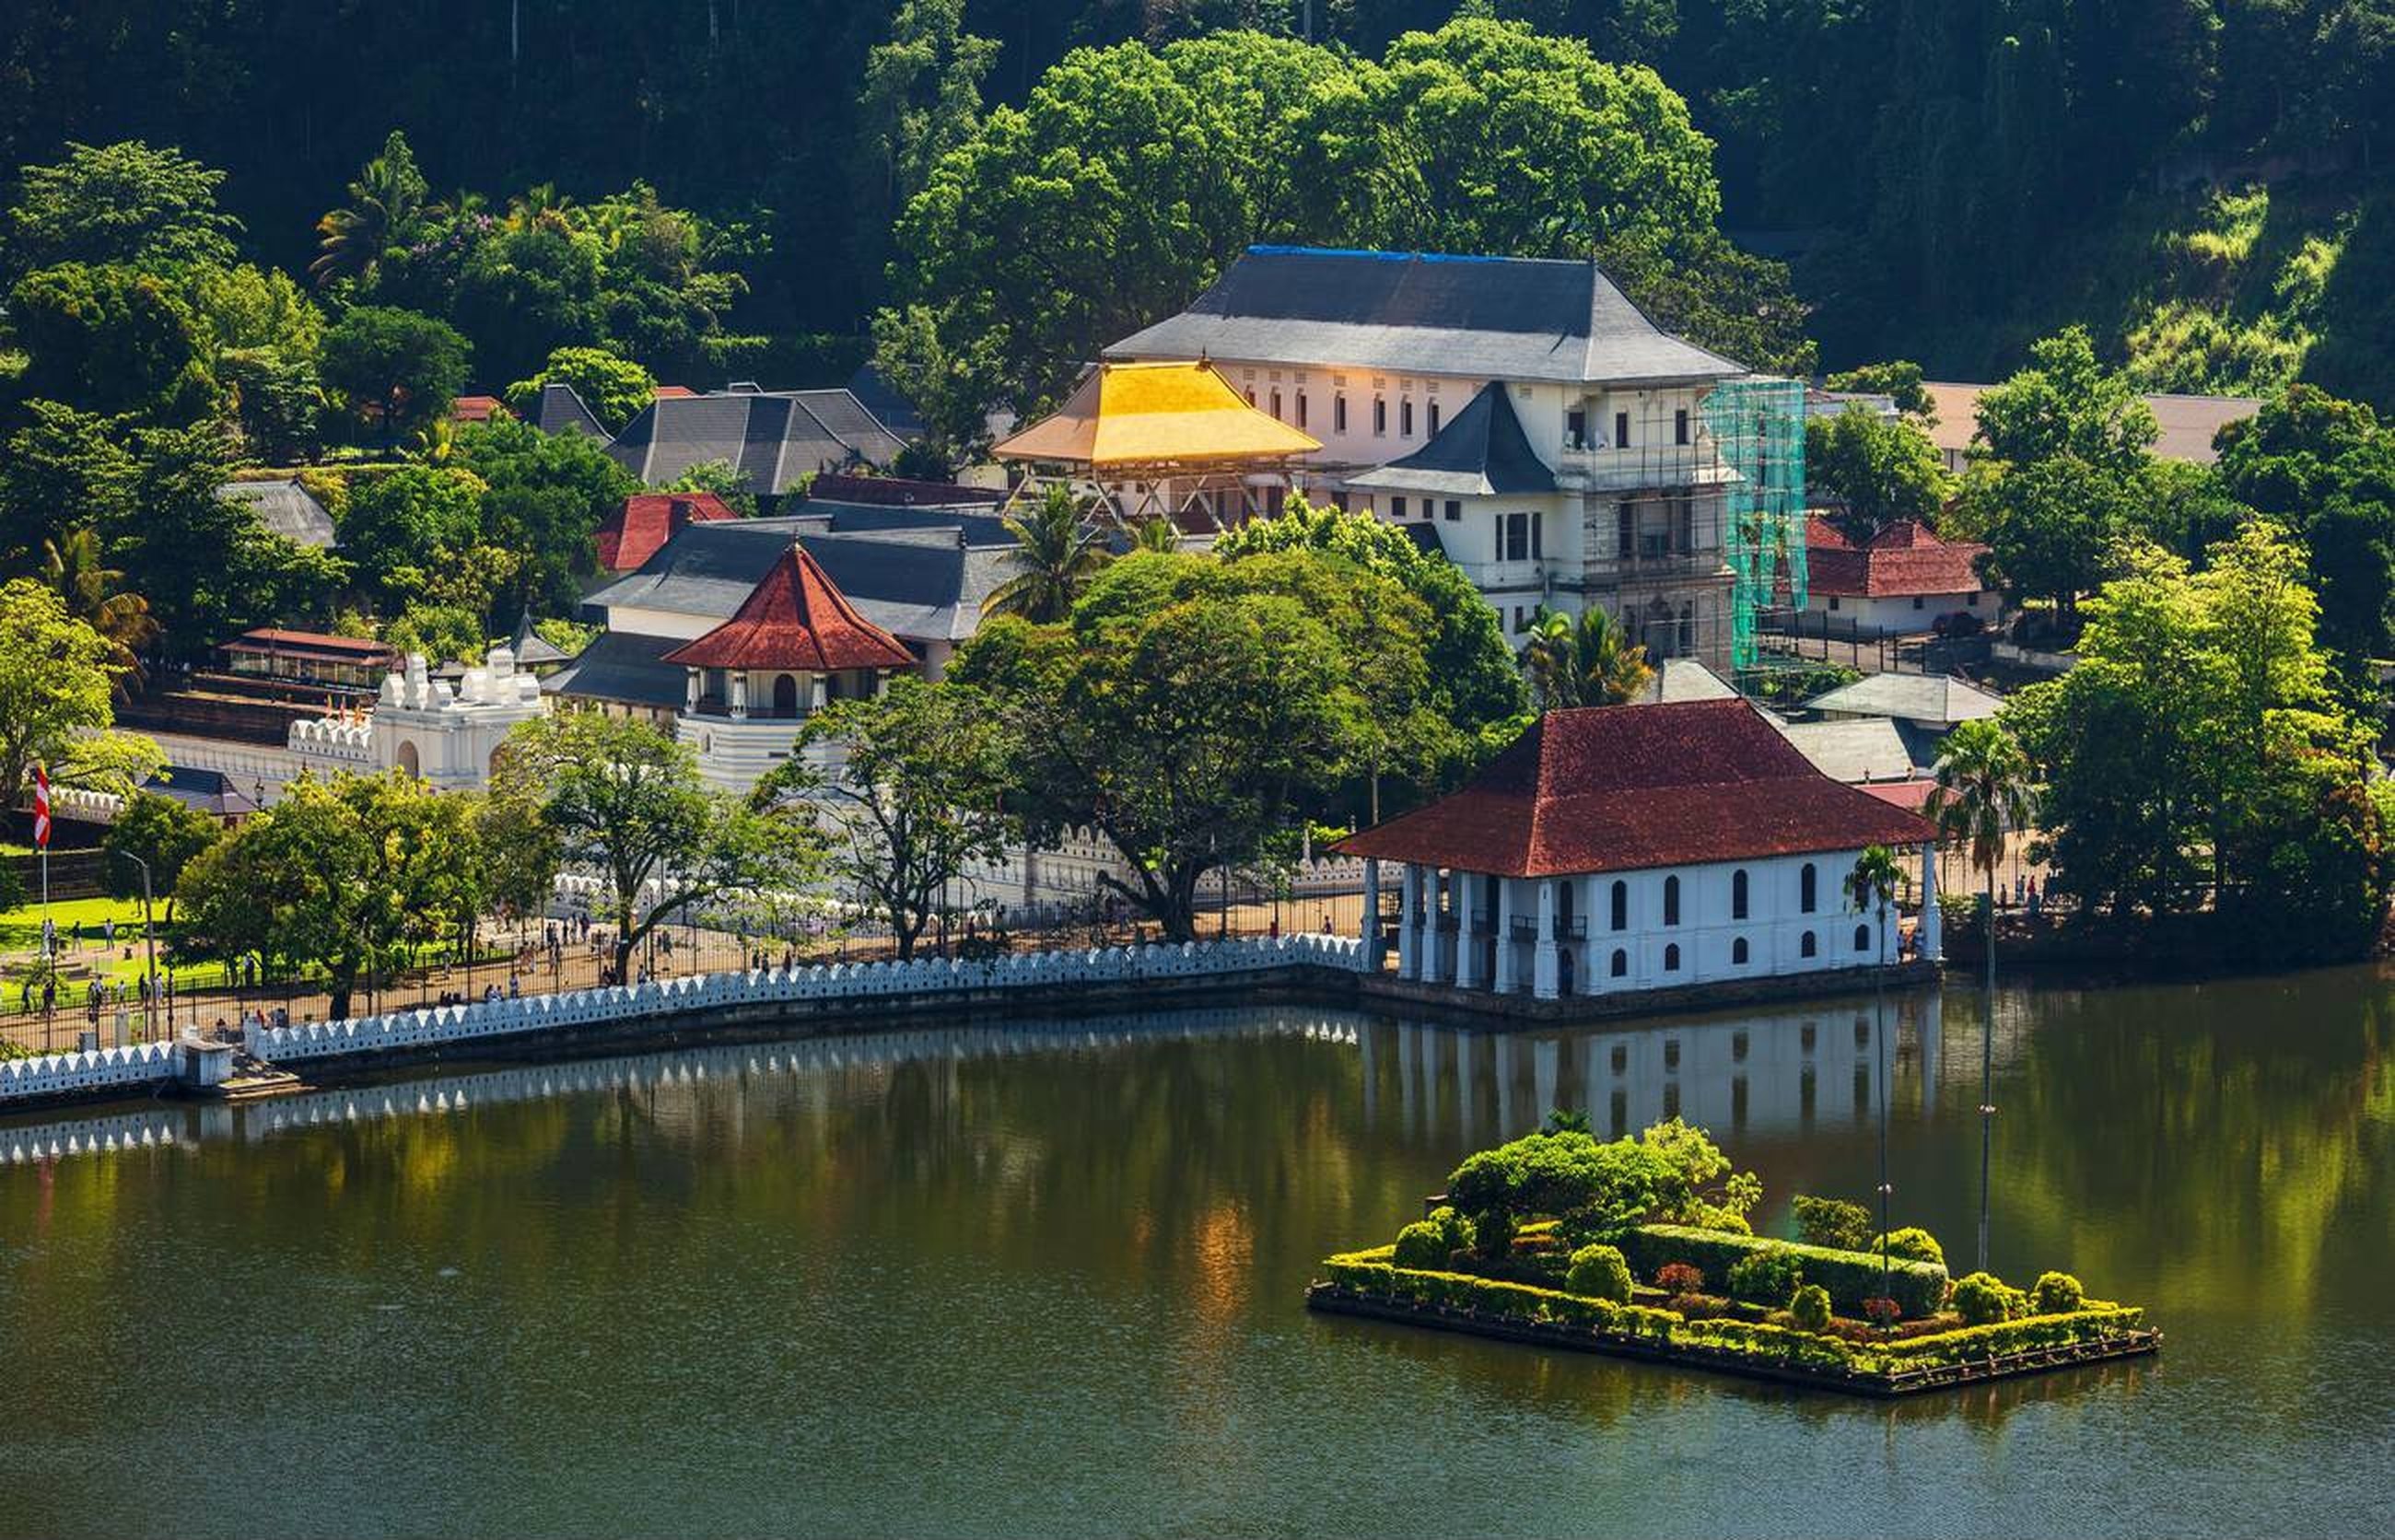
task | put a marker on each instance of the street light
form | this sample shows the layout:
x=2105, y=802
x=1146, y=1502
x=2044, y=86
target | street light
x=149, y=942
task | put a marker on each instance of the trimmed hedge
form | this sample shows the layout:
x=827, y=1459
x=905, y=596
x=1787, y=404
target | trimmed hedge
x=1850, y=1276
x=1371, y=1271
x=1973, y=1343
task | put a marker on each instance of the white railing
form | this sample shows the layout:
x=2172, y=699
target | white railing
x=149, y=1063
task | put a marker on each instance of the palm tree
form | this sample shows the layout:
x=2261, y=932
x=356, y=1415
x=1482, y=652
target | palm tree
x=1055, y=555
x=1156, y=535
x=386, y=204
x=1590, y=661
x=73, y=568
x=1983, y=793
x=1870, y=886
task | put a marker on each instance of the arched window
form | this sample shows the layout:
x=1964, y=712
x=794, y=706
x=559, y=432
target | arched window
x=1737, y=894
x=1807, y=946
x=1863, y=938
x=1809, y=888
x=1737, y=951
x=1621, y=906
x=1670, y=900
x=786, y=695
x=1620, y=963
x=1672, y=958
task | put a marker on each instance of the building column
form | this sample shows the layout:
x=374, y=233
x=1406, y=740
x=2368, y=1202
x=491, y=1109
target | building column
x=1428, y=943
x=1467, y=949
x=818, y=692
x=1505, y=983
x=738, y=687
x=1372, y=937
x=1933, y=923
x=690, y=690
x=1545, y=974
x=1409, y=921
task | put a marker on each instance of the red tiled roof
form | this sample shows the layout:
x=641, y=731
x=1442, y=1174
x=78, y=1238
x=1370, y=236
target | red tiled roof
x=796, y=618
x=474, y=408
x=673, y=392
x=267, y=638
x=1905, y=557
x=635, y=531
x=1629, y=787
x=1908, y=794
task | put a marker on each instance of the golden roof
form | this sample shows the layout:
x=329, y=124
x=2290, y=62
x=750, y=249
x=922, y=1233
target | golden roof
x=1155, y=413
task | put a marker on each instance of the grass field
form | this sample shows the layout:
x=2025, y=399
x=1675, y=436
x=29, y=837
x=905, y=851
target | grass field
x=20, y=928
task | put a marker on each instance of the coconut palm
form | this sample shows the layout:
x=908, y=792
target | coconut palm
x=385, y=207
x=73, y=568
x=1871, y=886
x=1055, y=555
x=1156, y=535
x=1983, y=793
x=1590, y=661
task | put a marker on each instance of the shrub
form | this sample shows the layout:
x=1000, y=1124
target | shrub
x=1984, y=1299
x=1834, y=1223
x=1600, y=1273
x=2057, y=1294
x=1911, y=1243
x=1882, y=1311
x=1677, y=1278
x=1696, y=1307
x=1420, y=1246
x=1811, y=1308
x=1770, y=1275
x=1850, y=1276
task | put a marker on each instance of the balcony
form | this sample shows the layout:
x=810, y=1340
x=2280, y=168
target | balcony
x=1637, y=468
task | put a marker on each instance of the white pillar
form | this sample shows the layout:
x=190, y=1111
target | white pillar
x=1504, y=983
x=1933, y=924
x=739, y=688
x=690, y=690
x=1409, y=921
x=1426, y=945
x=1545, y=982
x=1372, y=937
x=818, y=692
x=1467, y=949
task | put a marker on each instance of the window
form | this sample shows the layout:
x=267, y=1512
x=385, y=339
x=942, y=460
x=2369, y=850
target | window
x=1807, y=1036
x=1433, y=419
x=1517, y=536
x=1670, y=900
x=1621, y=906
x=1275, y=395
x=1737, y=894
x=1379, y=416
x=1622, y=430
x=1809, y=888
x=1737, y=1046
x=1973, y=602
x=1680, y=426
x=1670, y=1053
x=1684, y=523
x=1834, y=602
x=1535, y=524
x=1251, y=395
x=1339, y=413
x=1863, y=938
x=1625, y=530
x=1807, y=946
x=1672, y=958
x=1300, y=409
x=1917, y=601
x=1397, y=506
x=1737, y=951
x=1620, y=963
x=1454, y=511
x=1575, y=429
x=1406, y=418
x=1619, y=1057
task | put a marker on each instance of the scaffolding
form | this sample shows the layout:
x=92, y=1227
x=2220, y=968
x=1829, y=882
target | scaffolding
x=1757, y=427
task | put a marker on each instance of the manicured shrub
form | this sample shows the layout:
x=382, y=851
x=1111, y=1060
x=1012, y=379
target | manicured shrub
x=1833, y=1222
x=1882, y=1311
x=1676, y=1278
x=1423, y=1246
x=1811, y=1308
x=1770, y=1275
x=1696, y=1307
x=1850, y=1276
x=2057, y=1294
x=1984, y=1299
x=1912, y=1244
x=1599, y=1273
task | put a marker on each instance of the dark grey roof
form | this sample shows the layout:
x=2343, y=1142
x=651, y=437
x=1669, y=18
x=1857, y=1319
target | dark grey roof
x=703, y=570
x=1425, y=537
x=881, y=398
x=978, y=525
x=287, y=507
x=776, y=437
x=1480, y=452
x=531, y=648
x=562, y=410
x=627, y=667
x=1496, y=318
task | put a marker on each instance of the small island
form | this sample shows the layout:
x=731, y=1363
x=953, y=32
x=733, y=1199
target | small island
x=1641, y=1248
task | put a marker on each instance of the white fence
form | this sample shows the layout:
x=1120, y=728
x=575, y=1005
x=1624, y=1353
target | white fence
x=133, y=1068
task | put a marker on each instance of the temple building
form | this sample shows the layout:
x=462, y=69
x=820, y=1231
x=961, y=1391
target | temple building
x=1620, y=849
x=1171, y=440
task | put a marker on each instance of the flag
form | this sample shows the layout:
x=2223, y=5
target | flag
x=41, y=807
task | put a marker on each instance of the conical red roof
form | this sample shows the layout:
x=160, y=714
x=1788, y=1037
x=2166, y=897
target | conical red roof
x=796, y=618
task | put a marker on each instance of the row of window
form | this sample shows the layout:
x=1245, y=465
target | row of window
x=1339, y=413
x=1809, y=897
x=1576, y=430
x=1807, y=946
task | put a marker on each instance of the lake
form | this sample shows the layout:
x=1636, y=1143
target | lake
x=1046, y=1278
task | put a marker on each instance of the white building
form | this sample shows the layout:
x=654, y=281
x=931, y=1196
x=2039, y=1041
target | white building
x=1904, y=581
x=1621, y=849
x=445, y=737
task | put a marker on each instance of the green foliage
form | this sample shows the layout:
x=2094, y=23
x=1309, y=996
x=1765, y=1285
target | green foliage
x=1983, y=1299
x=56, y=680
x=1810, y=1306
x=1909, y=1243
x=1057, y=551
x=1587, y=661
x=117, y=204
x=544, y=495
x=1973, y=1344
x=395, y=369
x=1594, y=1190
x=616, y=390
x=2057, y=1294
x=723, y=479
x=1851, y=1277
x=528, y=291
x=1422, y=1245
x=1878, y=471
x=1834, y=1223
x=443, y=632
x=1768, y=1275
x=166, y=833
x=115, y=340
x=404, y=527
x=1599, y=1273
x=1898, y=379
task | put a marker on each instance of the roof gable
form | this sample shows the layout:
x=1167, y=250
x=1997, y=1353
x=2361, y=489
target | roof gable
x=1155, y=413
x=796, y=618
x=1906, y=557
x=639, y=528
x=1481, y=452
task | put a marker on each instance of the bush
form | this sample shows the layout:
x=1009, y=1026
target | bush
x=1770, y=1275
x=1834, y=1223
x=1600, y=1273
x=1882, y=1311
x=1911, y=1244
x=1984, y=1299
x=1850, y=1276
x=1433, y=1242
x=2012, y=1336
x=2057, y=1294
x=1811, y=1308
x=1676, y=1278
x=1697, y=1307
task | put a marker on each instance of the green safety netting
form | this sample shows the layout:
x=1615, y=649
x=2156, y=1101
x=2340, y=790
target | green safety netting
x=1758, y=432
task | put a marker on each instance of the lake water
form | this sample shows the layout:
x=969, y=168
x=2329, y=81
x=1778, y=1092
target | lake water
x=1046, y=1282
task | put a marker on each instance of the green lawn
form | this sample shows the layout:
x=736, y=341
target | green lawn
x=20, y=928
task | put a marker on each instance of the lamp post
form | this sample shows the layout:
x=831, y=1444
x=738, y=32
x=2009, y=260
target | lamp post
x=150, y=942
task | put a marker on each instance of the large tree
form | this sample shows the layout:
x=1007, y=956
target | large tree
x=614, y=389
x=125, y=203
x=56, y=681
x=396, y=370
x=1874, y=471
x=113, y=340
x=164, y=833
x=543, y=495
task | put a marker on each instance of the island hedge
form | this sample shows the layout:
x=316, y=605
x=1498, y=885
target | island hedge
x=1851, y=1277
